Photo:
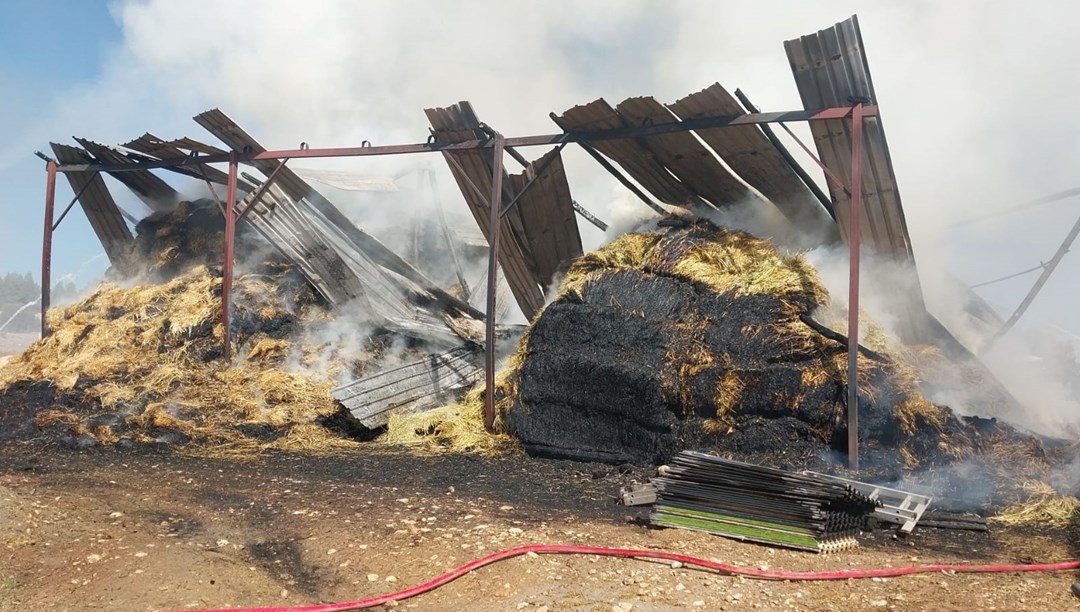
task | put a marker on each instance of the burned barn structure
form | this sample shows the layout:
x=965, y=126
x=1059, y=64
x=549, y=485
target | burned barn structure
x=709, y=150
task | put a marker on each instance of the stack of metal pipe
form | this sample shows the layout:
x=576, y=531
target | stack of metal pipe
x=759, y=504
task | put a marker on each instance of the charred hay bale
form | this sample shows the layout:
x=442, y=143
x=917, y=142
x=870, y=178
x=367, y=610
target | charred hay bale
x=695, y=339
x=574, y=399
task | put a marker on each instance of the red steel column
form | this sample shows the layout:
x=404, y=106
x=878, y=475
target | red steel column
x=495, y=204
x=46, y=245
x=227, y=267
x=853, y=287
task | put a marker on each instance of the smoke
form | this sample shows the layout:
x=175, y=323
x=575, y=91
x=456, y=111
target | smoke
x=336, y=73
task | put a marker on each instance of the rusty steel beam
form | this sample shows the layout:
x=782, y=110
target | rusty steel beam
x=522, y=141
x=227, y=267
x=853, y=287
x=457, y=166
x=495, y=205
x=829, y=174
x=591, y=218
x=213, y=192
x=46, y=245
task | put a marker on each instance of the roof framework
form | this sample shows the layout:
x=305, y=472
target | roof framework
x=703, y=149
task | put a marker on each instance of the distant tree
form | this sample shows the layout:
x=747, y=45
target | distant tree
x=64, y=291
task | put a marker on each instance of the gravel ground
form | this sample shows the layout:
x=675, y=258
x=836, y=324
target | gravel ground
x=141, y=530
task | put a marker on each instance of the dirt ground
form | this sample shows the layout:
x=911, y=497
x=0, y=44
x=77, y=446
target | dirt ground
x=146, y=530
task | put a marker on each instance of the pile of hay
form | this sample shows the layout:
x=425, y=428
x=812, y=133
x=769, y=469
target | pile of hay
x=142, y=361
x=696, y=338
x=145, y=364
x=1041, y=504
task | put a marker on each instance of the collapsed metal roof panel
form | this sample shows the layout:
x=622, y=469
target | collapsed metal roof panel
x=830, y=70
x=684, y=155
x=640, y=163
x=170, y=149
x=343, y=261
x=412, y=387
x=98, y=204
x=157, y=148
x=282, y=222
x=474, y=168
x=151, y=189
x=546, y=210
x=750, y=155
x=226, y=130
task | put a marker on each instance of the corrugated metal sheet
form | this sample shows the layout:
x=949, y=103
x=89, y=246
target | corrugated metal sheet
x=459, y=123
x=337, y=256
x=638, y=161
x=749, y=154
x=285, y=225
x=225, y=129
x=157, y=148
x=412, y=387
x=547, y=217
x=194, y=146
x=830, y=70
x=97, y=203
x=684, y=155
x=154, y=192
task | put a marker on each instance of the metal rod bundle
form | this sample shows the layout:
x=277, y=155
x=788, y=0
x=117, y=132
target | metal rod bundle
x=760, y=504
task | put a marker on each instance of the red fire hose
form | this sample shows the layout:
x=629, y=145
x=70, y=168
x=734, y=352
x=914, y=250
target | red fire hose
x=723, y=568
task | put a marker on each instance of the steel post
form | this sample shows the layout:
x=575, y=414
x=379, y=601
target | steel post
x=227, y=266
x=853, y=287
x=46, y=245
x=494, y=221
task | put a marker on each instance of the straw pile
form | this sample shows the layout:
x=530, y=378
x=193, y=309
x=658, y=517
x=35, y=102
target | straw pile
x=1041, y=504
x=143, y=362
x=696, y=338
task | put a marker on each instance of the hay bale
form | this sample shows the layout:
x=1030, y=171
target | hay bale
x=692, y=338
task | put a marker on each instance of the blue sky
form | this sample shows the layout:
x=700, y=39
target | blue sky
x=47, y=48
x=961, y=142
